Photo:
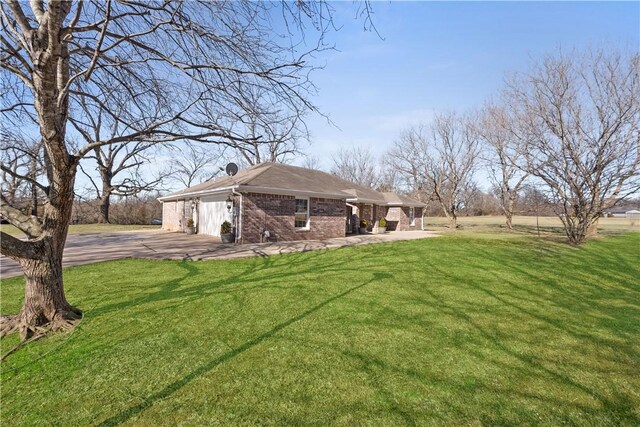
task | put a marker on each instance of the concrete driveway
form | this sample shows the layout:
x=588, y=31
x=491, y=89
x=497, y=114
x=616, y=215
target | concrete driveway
x=155, y=244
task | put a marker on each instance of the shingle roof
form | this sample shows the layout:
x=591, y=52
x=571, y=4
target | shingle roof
x=395, y=199
x=278, y=176
x=242, y=177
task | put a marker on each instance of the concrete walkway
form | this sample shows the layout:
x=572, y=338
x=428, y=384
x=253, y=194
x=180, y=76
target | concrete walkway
x=154, y=244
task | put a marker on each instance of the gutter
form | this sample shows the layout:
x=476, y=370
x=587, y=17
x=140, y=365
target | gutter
x=287, y=192
x=411, y=205
x=196, y=193
x=384, y=203
x=253, y=189
x=368, y=201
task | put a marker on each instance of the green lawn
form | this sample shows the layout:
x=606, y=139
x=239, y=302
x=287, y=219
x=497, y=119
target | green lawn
x=528, y=225
x=456, y=330
x=86, y=228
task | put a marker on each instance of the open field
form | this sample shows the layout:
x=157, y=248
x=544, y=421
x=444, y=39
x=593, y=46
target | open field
x=86, y=228
x=464, y=329
x=527, y=225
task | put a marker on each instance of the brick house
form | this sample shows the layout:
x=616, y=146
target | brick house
x=289, y=202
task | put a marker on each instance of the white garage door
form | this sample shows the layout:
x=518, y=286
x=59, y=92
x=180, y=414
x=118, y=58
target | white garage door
x=213, y=212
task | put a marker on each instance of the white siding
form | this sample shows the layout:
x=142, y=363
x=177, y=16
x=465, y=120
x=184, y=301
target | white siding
x=212, y=213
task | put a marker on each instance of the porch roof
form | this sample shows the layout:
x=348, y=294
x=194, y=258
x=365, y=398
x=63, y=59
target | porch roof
x=395, y=199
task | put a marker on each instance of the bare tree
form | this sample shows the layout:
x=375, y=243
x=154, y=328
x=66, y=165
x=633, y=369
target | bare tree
x=192, y=163
x=311, y=162
x=451, y=164
x=150, y=67
x=20, y=167
x=478, y=203
x=389, y=177
x=534, y=201
x=356, y=164
x=579, y=118
x=120, y=166
x=268, y=132
x=408, y=159
x=121, y=174
x=504, y=157
x=439, y=160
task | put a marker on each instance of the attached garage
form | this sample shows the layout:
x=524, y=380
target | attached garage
x=212, y=212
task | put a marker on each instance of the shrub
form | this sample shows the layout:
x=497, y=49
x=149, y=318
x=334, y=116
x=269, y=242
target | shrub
x=190, y=223
x=382, y=223
x=363, y=223
x=225, y=228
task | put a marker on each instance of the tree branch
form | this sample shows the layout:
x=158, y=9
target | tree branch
x=22, y=20
x=17, y=249
x=30, y=225
x=24, y=178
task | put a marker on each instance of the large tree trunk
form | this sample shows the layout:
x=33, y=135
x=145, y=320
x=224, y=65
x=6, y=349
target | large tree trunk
x=105, y=205
x=453, y=221
x=508, y=213
x=451, y=217
x=45, y=306
x=580, y=227
x=106, y=174
x=509, y=221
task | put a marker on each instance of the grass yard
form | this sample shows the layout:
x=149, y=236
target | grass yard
x=528, y=225
x=86, y=228
x=458, y=330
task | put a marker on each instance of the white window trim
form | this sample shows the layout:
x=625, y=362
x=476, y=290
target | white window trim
x=412, y=213
x=308, y=226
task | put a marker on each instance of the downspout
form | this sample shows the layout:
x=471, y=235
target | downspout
x=196, y=211
x=238, y=236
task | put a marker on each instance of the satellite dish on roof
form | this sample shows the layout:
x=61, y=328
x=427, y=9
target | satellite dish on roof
x=231, y=169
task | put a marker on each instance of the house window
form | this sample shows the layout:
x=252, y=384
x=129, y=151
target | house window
x=412, y=216
x=302, y=214
x=187, y=209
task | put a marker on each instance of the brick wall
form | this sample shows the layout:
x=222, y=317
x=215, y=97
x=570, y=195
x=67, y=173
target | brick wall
x=172, y=213
x=398, y=219
x=365, y=211
x=328, y=218
x=418, y=219
x=379, y=212
x=276, y=213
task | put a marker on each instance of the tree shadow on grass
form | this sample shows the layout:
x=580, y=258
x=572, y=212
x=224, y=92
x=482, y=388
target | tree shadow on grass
x=599, y=276
x=258, y=272
x=620, y=406
x=177, y=385
x=563, y=308
x=375, y=368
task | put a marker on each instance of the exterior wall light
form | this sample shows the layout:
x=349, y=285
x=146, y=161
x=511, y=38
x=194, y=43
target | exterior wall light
x=229, y=203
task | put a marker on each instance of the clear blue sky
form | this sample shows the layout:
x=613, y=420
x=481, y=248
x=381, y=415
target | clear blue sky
x=444, y=56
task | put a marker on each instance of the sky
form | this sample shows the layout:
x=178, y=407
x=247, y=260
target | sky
x=429, y=57
x=442, y=56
